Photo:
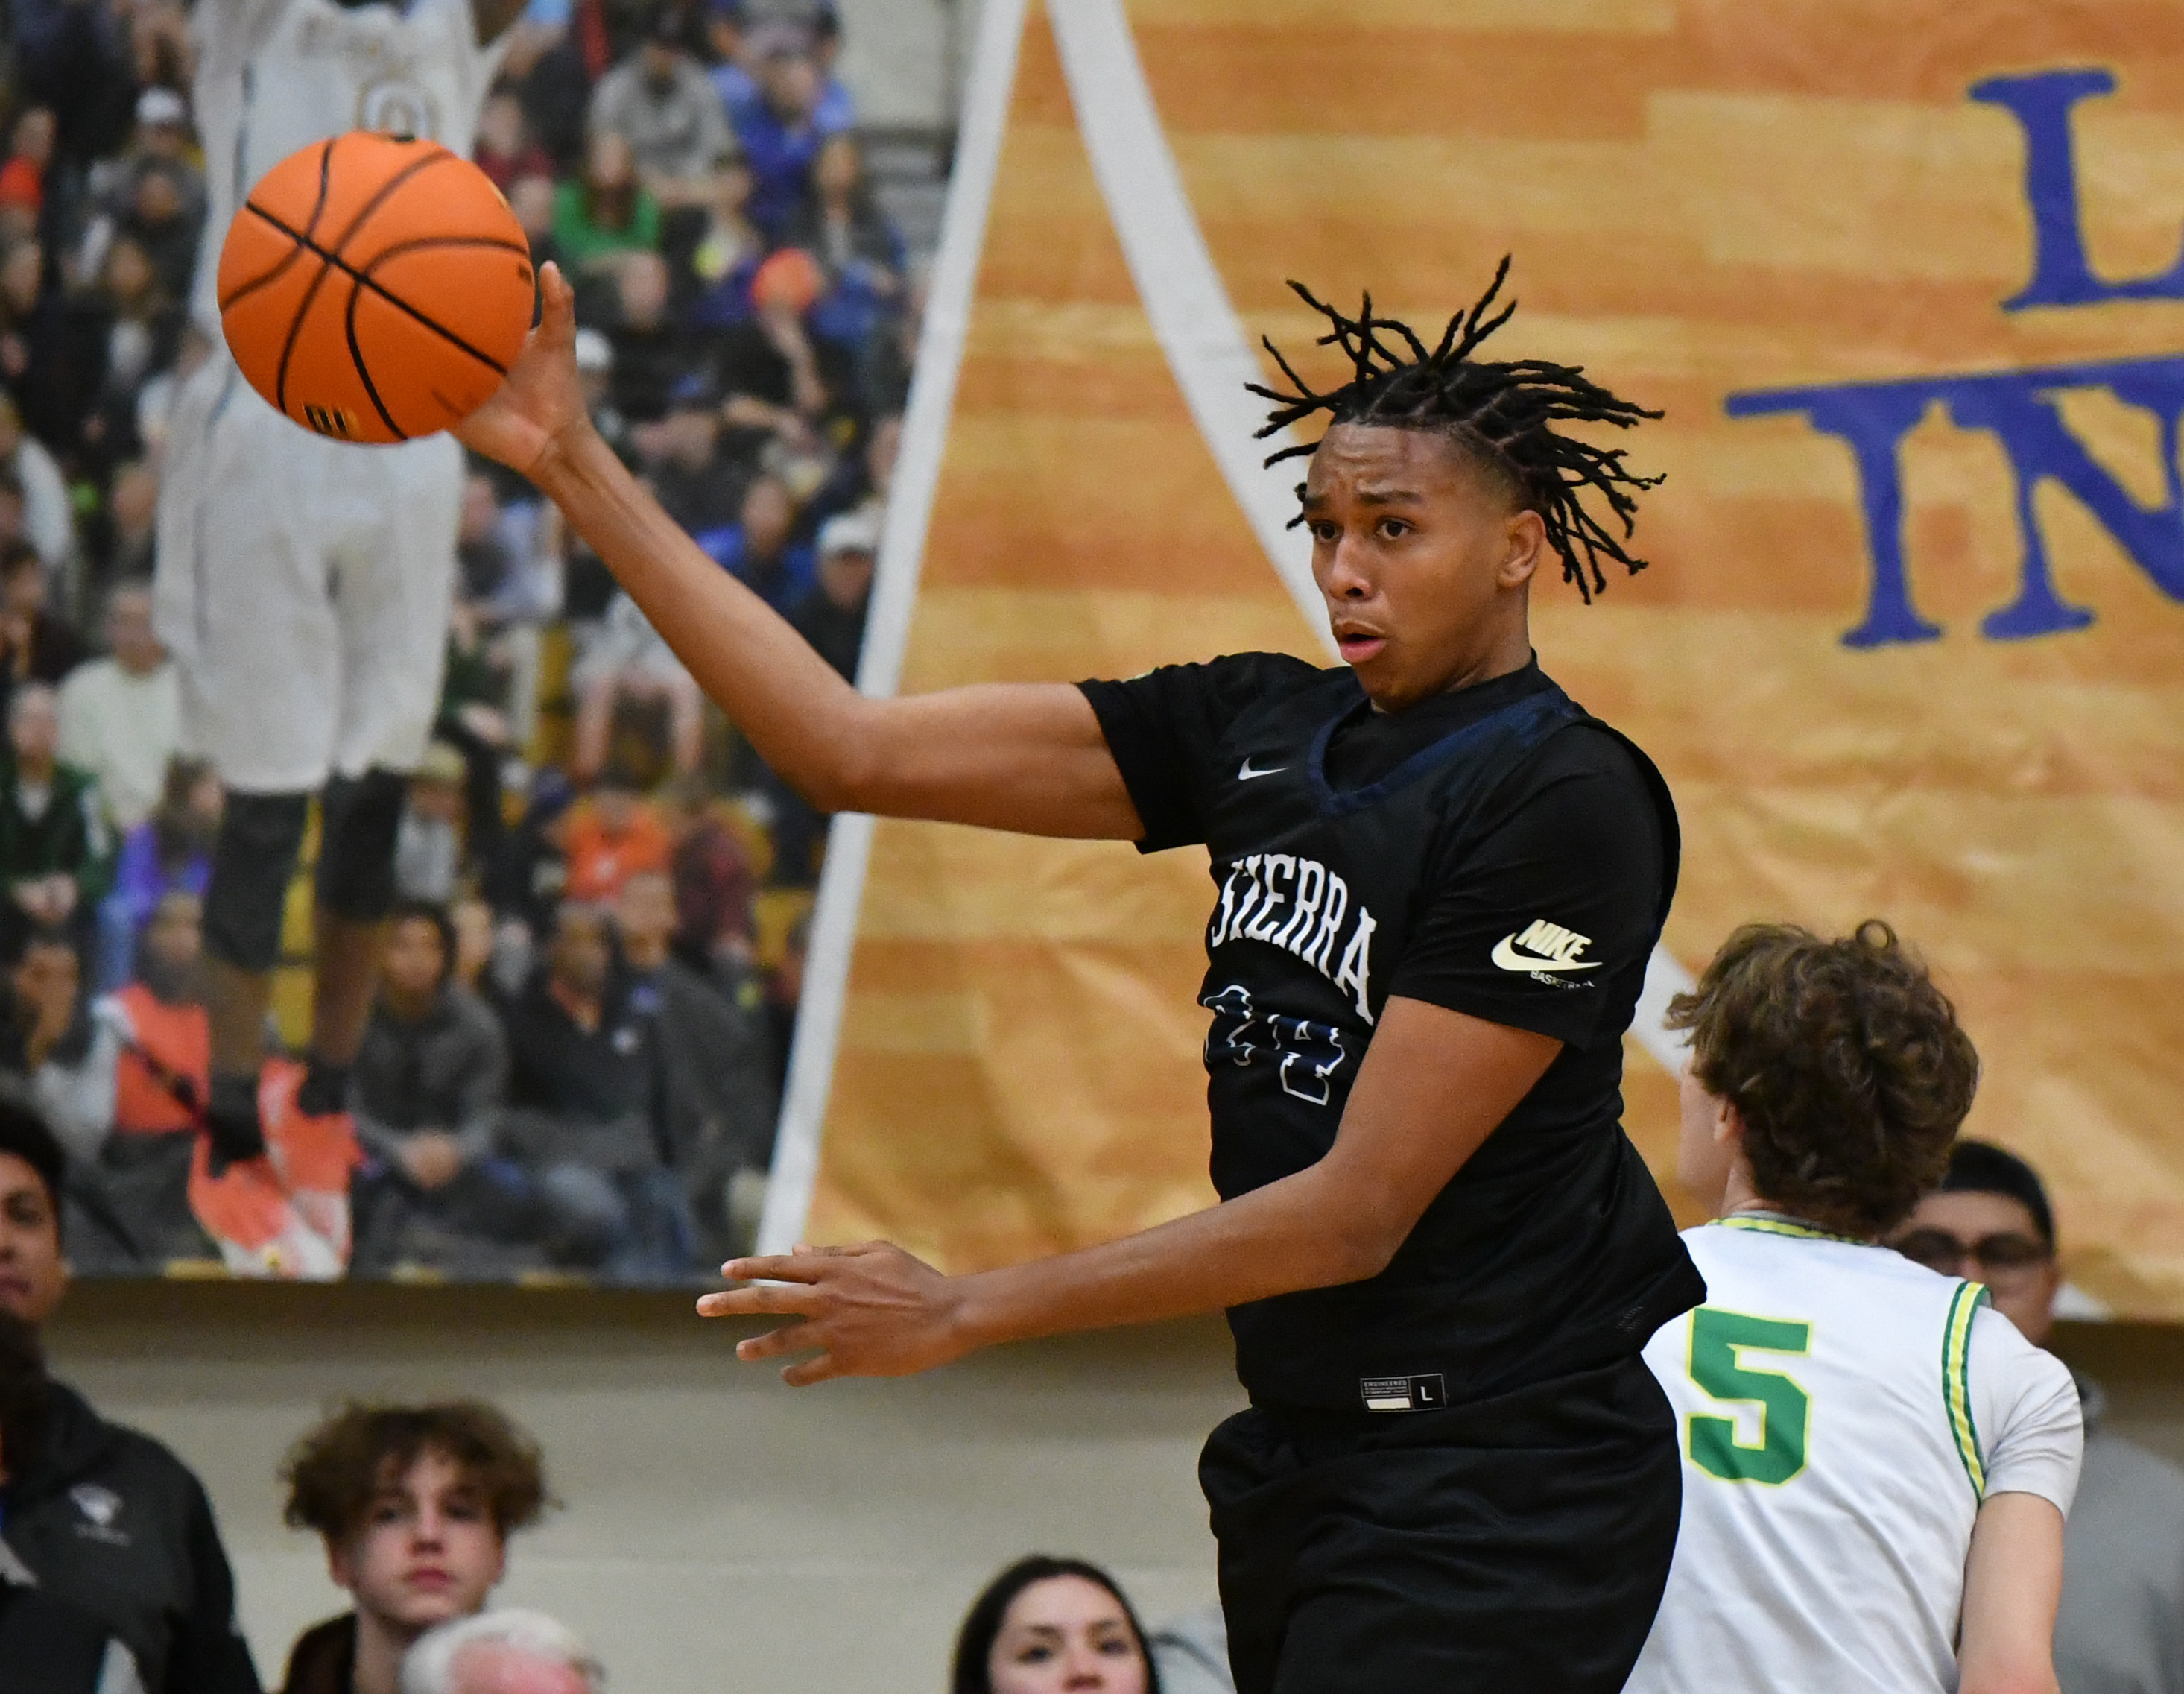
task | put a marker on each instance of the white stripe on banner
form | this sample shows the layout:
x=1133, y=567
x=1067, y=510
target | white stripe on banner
x=941, y=345
x=1207, y=347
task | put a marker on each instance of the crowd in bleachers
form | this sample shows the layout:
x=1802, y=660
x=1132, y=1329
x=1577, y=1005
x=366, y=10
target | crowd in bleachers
x=600, y=879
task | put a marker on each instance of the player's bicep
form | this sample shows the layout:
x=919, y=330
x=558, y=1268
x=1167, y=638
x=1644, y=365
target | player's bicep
x=1028, y=757
x=1433, y=1084
x=2012, y=1584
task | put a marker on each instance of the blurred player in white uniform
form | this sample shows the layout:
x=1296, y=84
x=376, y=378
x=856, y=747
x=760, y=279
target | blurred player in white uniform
x=304, y=586
x=1876, y=1465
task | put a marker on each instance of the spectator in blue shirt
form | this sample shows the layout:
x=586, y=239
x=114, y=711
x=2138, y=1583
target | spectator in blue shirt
x=782, y=120
x=757, y=549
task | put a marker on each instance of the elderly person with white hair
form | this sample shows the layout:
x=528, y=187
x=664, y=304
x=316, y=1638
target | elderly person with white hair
x=509, y=1650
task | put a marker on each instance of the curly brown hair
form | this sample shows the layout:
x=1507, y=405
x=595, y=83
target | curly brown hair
x=1844, y=1062
x=334, y=1473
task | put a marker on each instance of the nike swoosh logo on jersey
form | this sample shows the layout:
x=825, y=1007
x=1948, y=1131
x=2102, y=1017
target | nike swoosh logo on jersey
x=1244, y=772
x=1505, y=955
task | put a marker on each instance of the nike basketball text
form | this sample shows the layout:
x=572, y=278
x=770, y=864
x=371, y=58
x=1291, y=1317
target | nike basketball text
x=1299, y=905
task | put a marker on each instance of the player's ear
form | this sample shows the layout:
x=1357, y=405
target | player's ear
x=1525, y=543
x=1728, y=1126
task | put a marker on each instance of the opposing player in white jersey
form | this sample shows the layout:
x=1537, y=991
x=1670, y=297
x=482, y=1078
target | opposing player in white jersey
x=1876, y=1466
x=304, y=586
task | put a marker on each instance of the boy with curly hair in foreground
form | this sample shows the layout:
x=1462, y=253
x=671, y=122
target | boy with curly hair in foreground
x=1876, y=1467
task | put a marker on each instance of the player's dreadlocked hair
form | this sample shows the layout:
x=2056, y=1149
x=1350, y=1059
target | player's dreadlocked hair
x=1504, y=414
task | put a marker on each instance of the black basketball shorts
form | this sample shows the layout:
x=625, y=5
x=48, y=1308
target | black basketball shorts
x=1518, y=1545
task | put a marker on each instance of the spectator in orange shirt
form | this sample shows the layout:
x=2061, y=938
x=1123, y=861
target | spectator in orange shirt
x=612, y=837
x=23, y=177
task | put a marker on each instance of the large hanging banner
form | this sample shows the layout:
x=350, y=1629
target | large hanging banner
x=1905, y=276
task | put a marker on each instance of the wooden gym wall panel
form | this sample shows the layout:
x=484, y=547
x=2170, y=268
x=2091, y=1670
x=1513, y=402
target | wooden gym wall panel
x=1705, y=201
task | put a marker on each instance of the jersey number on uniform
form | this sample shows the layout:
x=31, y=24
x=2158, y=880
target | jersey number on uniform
x=1718, y=1341
x=1308, y=1053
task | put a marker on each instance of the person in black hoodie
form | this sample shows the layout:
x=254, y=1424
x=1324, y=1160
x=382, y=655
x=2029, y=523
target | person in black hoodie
x=103, y=1517
x=47, y=1645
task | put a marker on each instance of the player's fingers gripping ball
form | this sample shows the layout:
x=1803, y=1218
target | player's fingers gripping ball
x=375, y=289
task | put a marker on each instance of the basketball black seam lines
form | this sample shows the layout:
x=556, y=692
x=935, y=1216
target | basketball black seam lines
x=363, y=280
x=363, y=370
x=330, y=258
x=293, y=253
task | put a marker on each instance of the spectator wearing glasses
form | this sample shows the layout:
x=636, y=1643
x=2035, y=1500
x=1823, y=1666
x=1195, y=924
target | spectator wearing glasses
x=2120, y=1630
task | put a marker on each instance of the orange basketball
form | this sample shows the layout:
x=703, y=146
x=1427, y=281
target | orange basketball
x=375, y=289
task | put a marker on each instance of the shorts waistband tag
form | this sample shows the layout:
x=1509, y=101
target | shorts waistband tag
x=1404, y=1393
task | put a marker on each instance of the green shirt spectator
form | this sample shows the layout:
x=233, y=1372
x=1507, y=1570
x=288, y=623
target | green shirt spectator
x=56, y=856
x=606, y=211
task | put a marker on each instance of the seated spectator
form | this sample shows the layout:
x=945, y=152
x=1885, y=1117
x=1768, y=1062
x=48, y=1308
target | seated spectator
x=122, y=542
x=36, y=645
x=508, y=1652
x=837, y=109
x=121, y=715
x=758, y=549
x=651, y=352
x=662, y=103
x=2122, y=1615
x=428, y=843
x=416, y=1505
x=22, y=176
x=784, y=988
x=776, y=390
x=585, y=1126
x=164, y=1586
x=714, y=1077
x=604, y=215
x=727, y=252
x=526, y=882
x=628, y=659
x=505, y=149
x=427, y=1093
x=169, y=852
x=859, y=248
x=164, y=219
x=613, y=836
x=161, y=142
x=595, y=371
x=48, y=524
x=48, y=1646
x=697, y=483
x=1045, y=1624
x=55, y=853
x=49, y=1045
x=711, y=871
x=832, y=616
x=134, y=326
x=154, y=1048
x=782, y=130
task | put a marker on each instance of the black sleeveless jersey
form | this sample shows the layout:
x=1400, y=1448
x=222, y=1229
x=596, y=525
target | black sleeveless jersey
x=1496, y=850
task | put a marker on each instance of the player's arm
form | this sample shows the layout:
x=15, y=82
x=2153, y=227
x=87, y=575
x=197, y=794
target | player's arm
x=2013, y=1583
x=1432, y=1085
x=1028, y=757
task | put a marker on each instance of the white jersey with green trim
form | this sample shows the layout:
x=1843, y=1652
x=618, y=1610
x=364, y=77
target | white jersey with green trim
x=1843, y=1413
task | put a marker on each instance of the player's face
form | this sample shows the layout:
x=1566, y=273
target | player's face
x=1424, y=565
x=32, y=1273
x=1989, y=1237
x=1065, y=1633
x=426, y=1550
x=1703, y=1152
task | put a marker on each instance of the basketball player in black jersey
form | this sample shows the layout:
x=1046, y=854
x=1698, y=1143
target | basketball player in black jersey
x=1437, y=884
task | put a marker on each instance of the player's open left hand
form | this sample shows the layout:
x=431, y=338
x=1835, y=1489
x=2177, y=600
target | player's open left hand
x=870, y=1310
x=541, y=405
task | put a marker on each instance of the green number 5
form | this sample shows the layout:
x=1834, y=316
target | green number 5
x=1718, y=1338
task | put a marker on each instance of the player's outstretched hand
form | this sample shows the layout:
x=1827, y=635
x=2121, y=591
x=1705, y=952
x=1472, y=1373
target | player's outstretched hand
x=541, y=403
x=871, y=1310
